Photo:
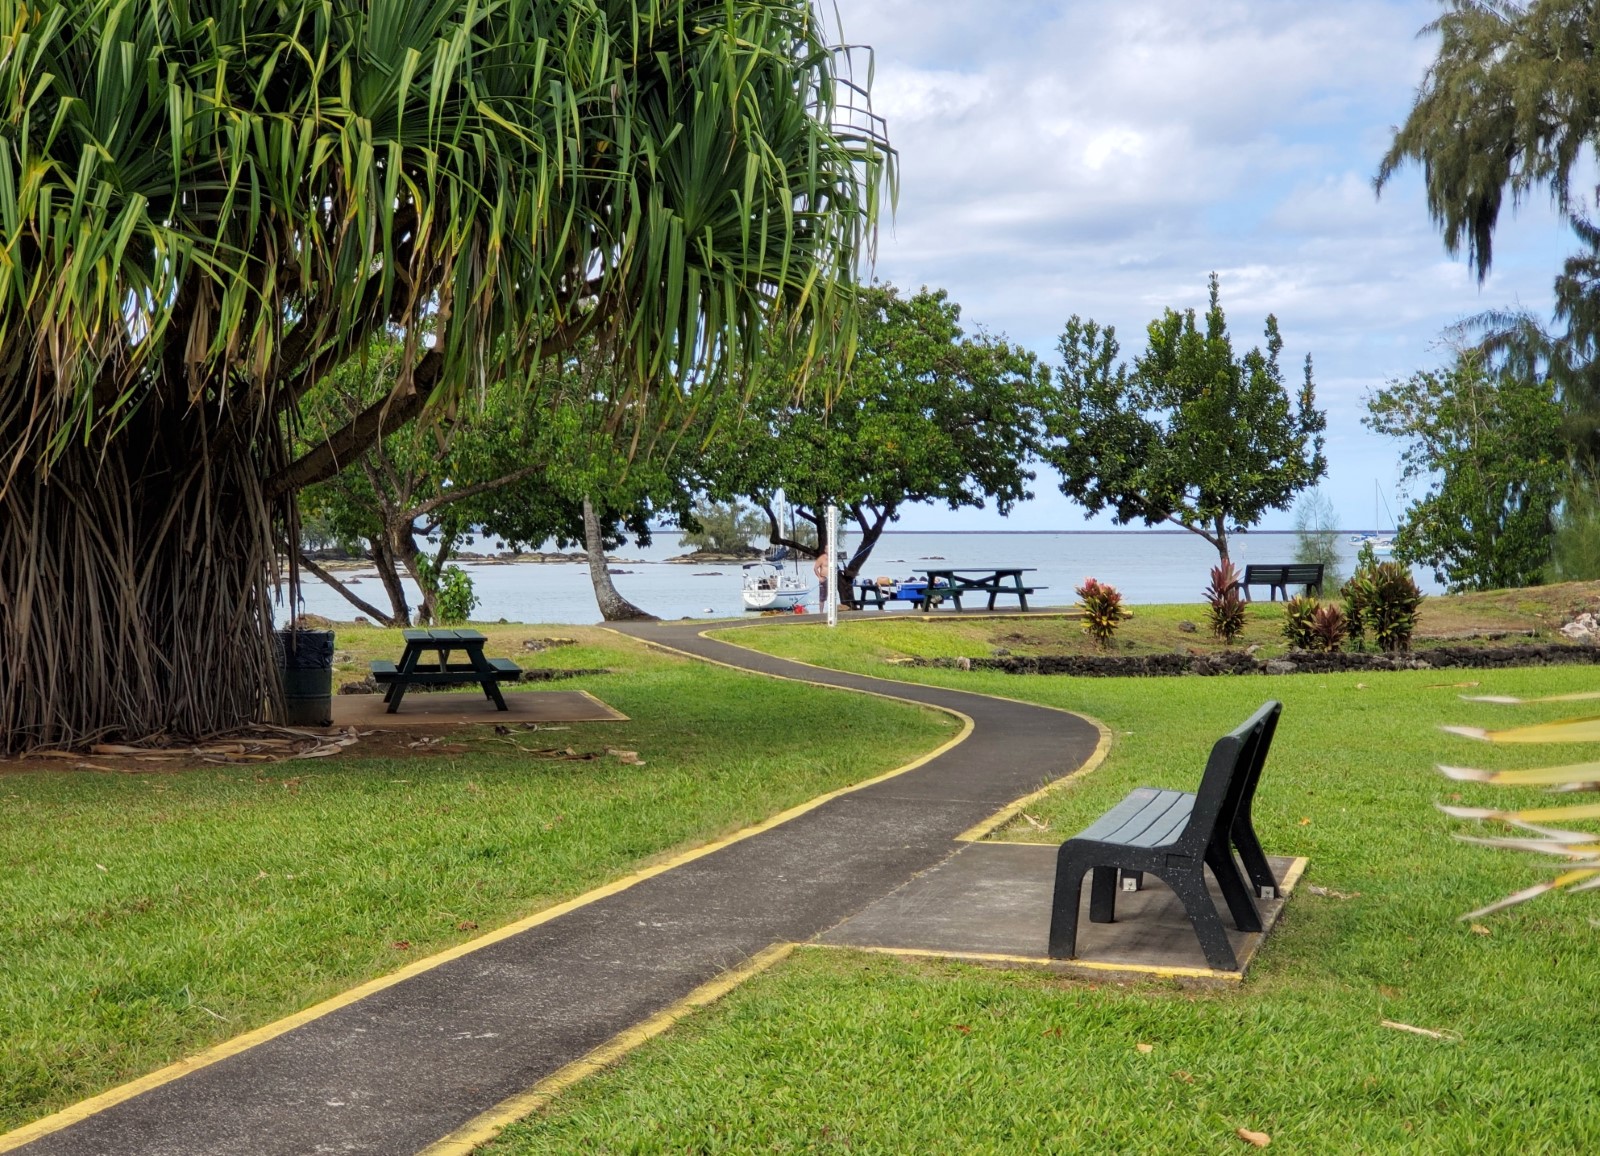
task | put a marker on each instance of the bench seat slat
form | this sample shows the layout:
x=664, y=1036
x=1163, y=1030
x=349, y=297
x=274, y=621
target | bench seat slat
x=1151, y=821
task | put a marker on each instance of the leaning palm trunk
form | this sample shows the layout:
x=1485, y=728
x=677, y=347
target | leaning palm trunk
x=613, y=606
x=135, y=587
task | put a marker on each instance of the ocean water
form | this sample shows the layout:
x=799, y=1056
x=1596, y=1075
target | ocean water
x=1147, y=566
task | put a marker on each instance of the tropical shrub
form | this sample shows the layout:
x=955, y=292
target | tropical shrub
x=1358, y=595
x=1392, y=609
x=1328, y=629
x=1297, y=616
x=456, y=599
x=1102, y=610
x=1226, y=603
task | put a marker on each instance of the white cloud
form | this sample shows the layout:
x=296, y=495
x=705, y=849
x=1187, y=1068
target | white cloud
x=1102, y=157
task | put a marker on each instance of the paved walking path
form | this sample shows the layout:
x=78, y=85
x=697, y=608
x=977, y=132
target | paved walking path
x=395, y=1071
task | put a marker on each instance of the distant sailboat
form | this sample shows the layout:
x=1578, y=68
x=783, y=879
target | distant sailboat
x=1380, y=542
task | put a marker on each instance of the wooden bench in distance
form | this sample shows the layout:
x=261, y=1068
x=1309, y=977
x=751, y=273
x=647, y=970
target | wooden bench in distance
x=1281, y=577
x=1175, y=835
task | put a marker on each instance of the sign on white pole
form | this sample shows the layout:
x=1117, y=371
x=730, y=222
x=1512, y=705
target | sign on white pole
x=833, y=565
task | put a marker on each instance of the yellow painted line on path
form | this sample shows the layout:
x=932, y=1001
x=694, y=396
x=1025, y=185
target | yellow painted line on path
x=619, y=1044
x=242, y=1043
x=485, y=1127
x=1000, y=818
x=1043, y=961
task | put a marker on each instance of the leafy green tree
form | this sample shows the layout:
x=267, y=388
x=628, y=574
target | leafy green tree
x=926, y=413
x=1191, y=435
x=1489, y=448
x=517, y=467
x=208, y=205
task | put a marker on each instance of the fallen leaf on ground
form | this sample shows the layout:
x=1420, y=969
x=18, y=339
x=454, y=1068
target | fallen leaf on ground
x=1255, y=1139
x=1361, y=686
x=630, y=757
x=1479, y=929
x=962, y=1028
x=1448, y=685
x=1306, y=822
x=1182, y=1077
x=466, y=925
x=103, y=867
x=1416, y=1031
x=1035, y=823
x=1144, y=1049
x=401, y=945
x=1331, y=893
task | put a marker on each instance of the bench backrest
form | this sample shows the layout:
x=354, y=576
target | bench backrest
x=1230, y=776
x=1294, y=574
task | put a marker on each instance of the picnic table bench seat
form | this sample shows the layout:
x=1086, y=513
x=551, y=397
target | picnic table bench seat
x=384, y=670
x=415, y=669
x=1280, y=576
x=1175, y=835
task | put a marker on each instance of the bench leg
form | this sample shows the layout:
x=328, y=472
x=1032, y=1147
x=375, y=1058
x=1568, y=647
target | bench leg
x=1103, y=895
x=1241, y=903
x=1191, y=889
x=1064, y=907
x=1253, y=857
x=397, y=690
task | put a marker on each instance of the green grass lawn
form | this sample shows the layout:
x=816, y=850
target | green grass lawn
x=840, y=1051
x=146, y=916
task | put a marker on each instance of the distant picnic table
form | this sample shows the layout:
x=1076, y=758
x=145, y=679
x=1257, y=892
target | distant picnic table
x=954, y=583
x=412, y=670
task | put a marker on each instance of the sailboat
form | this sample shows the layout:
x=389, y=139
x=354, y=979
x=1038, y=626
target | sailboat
x=1380, y=542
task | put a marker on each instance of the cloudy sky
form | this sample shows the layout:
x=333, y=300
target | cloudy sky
x=1101, y=157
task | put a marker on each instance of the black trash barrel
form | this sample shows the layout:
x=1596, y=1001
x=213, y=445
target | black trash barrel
x=306, y=660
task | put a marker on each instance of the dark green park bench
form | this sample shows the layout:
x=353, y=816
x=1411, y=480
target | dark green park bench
x=1280, y=577
x=1175, y=835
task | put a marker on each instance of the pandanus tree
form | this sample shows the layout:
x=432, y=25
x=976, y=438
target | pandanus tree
x=204, y=206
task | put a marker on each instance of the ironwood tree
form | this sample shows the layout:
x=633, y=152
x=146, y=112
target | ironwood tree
x=205, y=206
x=1508, y=110
x=1190, y=435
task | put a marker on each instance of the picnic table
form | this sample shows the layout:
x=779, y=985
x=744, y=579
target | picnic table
x=953, y=583
x=438, y=670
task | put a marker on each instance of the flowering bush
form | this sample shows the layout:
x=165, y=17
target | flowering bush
x=1102, y=610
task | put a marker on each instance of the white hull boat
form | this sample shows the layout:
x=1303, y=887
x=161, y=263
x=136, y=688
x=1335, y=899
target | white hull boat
x=768, y=588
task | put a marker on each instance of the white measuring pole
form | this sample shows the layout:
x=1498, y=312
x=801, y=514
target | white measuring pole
x=833, y=565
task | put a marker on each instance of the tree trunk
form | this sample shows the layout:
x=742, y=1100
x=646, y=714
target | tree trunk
x=871, y=531
x=358, y=602
x=136, y=584
x=404, y=544
x=1222, y=540
x=389, y=574
x=613, y=606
